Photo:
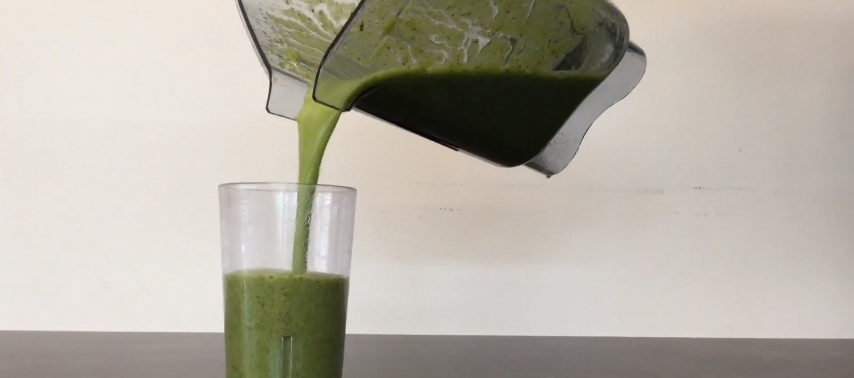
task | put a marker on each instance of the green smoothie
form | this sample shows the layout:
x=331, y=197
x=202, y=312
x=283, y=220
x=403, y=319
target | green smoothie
x=284, y=325
x=291, y=324
x=506, y=116
x=315, y=123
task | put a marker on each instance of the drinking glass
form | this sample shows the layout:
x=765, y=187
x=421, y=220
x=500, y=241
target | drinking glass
x=286, y=252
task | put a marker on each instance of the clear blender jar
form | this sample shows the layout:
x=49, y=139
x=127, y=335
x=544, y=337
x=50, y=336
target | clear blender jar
x=351, y=55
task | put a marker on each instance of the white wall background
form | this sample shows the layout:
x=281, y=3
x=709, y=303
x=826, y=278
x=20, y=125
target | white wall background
x=716, y=201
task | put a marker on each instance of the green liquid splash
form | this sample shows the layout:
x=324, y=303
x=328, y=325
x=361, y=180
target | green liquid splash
x=315, y=123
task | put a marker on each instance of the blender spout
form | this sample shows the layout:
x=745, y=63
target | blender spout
x=290, y=64
x=286, y=94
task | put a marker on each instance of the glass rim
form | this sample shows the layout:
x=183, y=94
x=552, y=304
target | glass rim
x=285, y=186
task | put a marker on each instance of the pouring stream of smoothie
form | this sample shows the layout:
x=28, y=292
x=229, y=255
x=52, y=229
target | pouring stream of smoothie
x=315, y=123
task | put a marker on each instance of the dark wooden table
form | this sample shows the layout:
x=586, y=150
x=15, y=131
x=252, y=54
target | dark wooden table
x=123, y=355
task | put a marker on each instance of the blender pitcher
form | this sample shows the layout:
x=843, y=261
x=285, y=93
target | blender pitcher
x=510, y=82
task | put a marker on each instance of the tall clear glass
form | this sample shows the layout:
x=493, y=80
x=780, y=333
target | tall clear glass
x=286, y=267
